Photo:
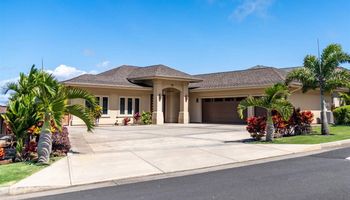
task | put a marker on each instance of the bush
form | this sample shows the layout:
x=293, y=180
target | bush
x=299, y=123
x=126, y=121
x=342, y=115
x=60, y=142
x=137, y=117
x=146, y=118
x=256, y=127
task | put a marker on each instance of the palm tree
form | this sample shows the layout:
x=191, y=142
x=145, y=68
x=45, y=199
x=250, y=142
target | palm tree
x=275, y=99
x=21, y=111
x=53, y=99
x=39, y=96
x=323, y=73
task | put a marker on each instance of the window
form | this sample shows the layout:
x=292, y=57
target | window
x=129, y=106
x=122, y=106
x=104, y=105
x=137, y=105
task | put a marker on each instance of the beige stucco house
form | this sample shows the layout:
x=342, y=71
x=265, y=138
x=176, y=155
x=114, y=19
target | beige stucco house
x=176, y=97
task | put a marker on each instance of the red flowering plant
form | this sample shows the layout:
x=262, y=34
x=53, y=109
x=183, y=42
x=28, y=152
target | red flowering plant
x=126, y=121
x=137, y=118
x=256, y=127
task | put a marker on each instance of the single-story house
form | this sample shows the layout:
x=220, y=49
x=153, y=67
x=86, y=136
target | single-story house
x=177, y=97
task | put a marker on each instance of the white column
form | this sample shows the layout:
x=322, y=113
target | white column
x=157, y=114
x=184, y=99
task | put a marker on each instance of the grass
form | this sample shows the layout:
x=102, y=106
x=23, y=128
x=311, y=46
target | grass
x=337, y=133
x=11, y=173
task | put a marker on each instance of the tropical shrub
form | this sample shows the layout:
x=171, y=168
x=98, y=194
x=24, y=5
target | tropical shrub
x=256, y=127
x=146, y=118
x=126, y=121
x=60, y=142
x=137, y=117
x=342, y=115
x=298, y=123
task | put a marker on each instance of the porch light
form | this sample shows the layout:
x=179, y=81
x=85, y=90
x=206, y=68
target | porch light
x=186, y=97
x=160, y=96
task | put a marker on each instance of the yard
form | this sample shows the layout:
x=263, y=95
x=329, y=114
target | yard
x=337, y=133
x=14, y=172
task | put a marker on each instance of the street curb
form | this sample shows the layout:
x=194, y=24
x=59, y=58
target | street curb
x=37, y=191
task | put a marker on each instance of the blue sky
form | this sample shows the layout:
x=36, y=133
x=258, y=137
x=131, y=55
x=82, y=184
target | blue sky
x=198, y=36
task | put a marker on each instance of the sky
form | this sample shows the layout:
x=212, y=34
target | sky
x=194, y=36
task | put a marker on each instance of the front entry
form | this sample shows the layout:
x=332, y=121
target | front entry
x=171, y=105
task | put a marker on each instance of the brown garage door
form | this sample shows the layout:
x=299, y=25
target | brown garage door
x=221, y=110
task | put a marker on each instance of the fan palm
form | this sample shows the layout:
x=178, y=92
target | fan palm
x=275, y=99
x=323, y=73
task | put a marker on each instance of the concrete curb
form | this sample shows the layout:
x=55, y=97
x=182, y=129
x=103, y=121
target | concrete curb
x=30, y=192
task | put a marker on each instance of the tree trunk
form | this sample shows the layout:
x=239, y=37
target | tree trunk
x=270, y=129
x=324, y=121
x=45, y=142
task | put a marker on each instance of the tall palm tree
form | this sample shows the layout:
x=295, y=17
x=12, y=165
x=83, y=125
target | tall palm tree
x=53, y=98
x=275, y=99
x=323, y=73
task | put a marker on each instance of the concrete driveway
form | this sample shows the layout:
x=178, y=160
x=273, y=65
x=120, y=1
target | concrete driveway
x=154, y=137
x=123, y=152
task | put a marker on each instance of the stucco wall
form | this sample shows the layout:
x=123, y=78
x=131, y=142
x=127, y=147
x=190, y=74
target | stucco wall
x=113, y=103
x=304, y=101
x=195, y=103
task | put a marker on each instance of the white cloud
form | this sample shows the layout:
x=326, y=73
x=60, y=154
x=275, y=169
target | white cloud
x=64, y=72
x=105, y=63
x=251, y=7
x=4, y=97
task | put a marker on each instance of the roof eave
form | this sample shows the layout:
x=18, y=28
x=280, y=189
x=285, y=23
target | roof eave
x=99, y=85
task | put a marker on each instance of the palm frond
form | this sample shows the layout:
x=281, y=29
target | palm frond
x=80, y=112
x=283, y=107
x=77, y=93
x=305, y=76
x=251, y=101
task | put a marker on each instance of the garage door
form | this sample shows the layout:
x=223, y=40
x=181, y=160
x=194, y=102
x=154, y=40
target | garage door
x=221, y=110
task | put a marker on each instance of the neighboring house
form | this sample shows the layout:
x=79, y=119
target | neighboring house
x=2, y=122
x=176, y=97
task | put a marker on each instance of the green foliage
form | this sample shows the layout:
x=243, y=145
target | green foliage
x=39, y=96
x=342, y=115
x=275, y=99
x=146, y=118
x=345, y=98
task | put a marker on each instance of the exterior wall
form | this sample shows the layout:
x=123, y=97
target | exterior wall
x=195, y=103
x=304, y=101
x=113, y=103
x=310, y=101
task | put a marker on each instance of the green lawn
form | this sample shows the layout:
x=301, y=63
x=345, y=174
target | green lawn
x=337, y=133
x=11, y=173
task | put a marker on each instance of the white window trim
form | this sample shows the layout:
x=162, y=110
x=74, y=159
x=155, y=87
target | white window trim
x=101, y=104
x=126, y=105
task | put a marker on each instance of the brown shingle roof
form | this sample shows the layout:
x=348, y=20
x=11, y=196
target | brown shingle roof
x=253, y=77
x=116, y=77
x=132, y=76
x=160, y=71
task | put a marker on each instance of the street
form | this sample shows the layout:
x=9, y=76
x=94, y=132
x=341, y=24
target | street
x=319, y=176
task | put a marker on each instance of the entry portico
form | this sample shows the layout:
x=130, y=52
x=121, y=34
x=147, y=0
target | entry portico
x=170, y=92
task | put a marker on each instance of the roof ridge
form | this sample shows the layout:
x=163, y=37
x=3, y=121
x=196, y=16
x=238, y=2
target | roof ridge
x=241, y=70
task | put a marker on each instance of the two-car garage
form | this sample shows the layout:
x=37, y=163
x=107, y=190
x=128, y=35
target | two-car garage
x=222, y=110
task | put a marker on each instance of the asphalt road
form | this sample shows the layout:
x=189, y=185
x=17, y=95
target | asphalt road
x=320, y=176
